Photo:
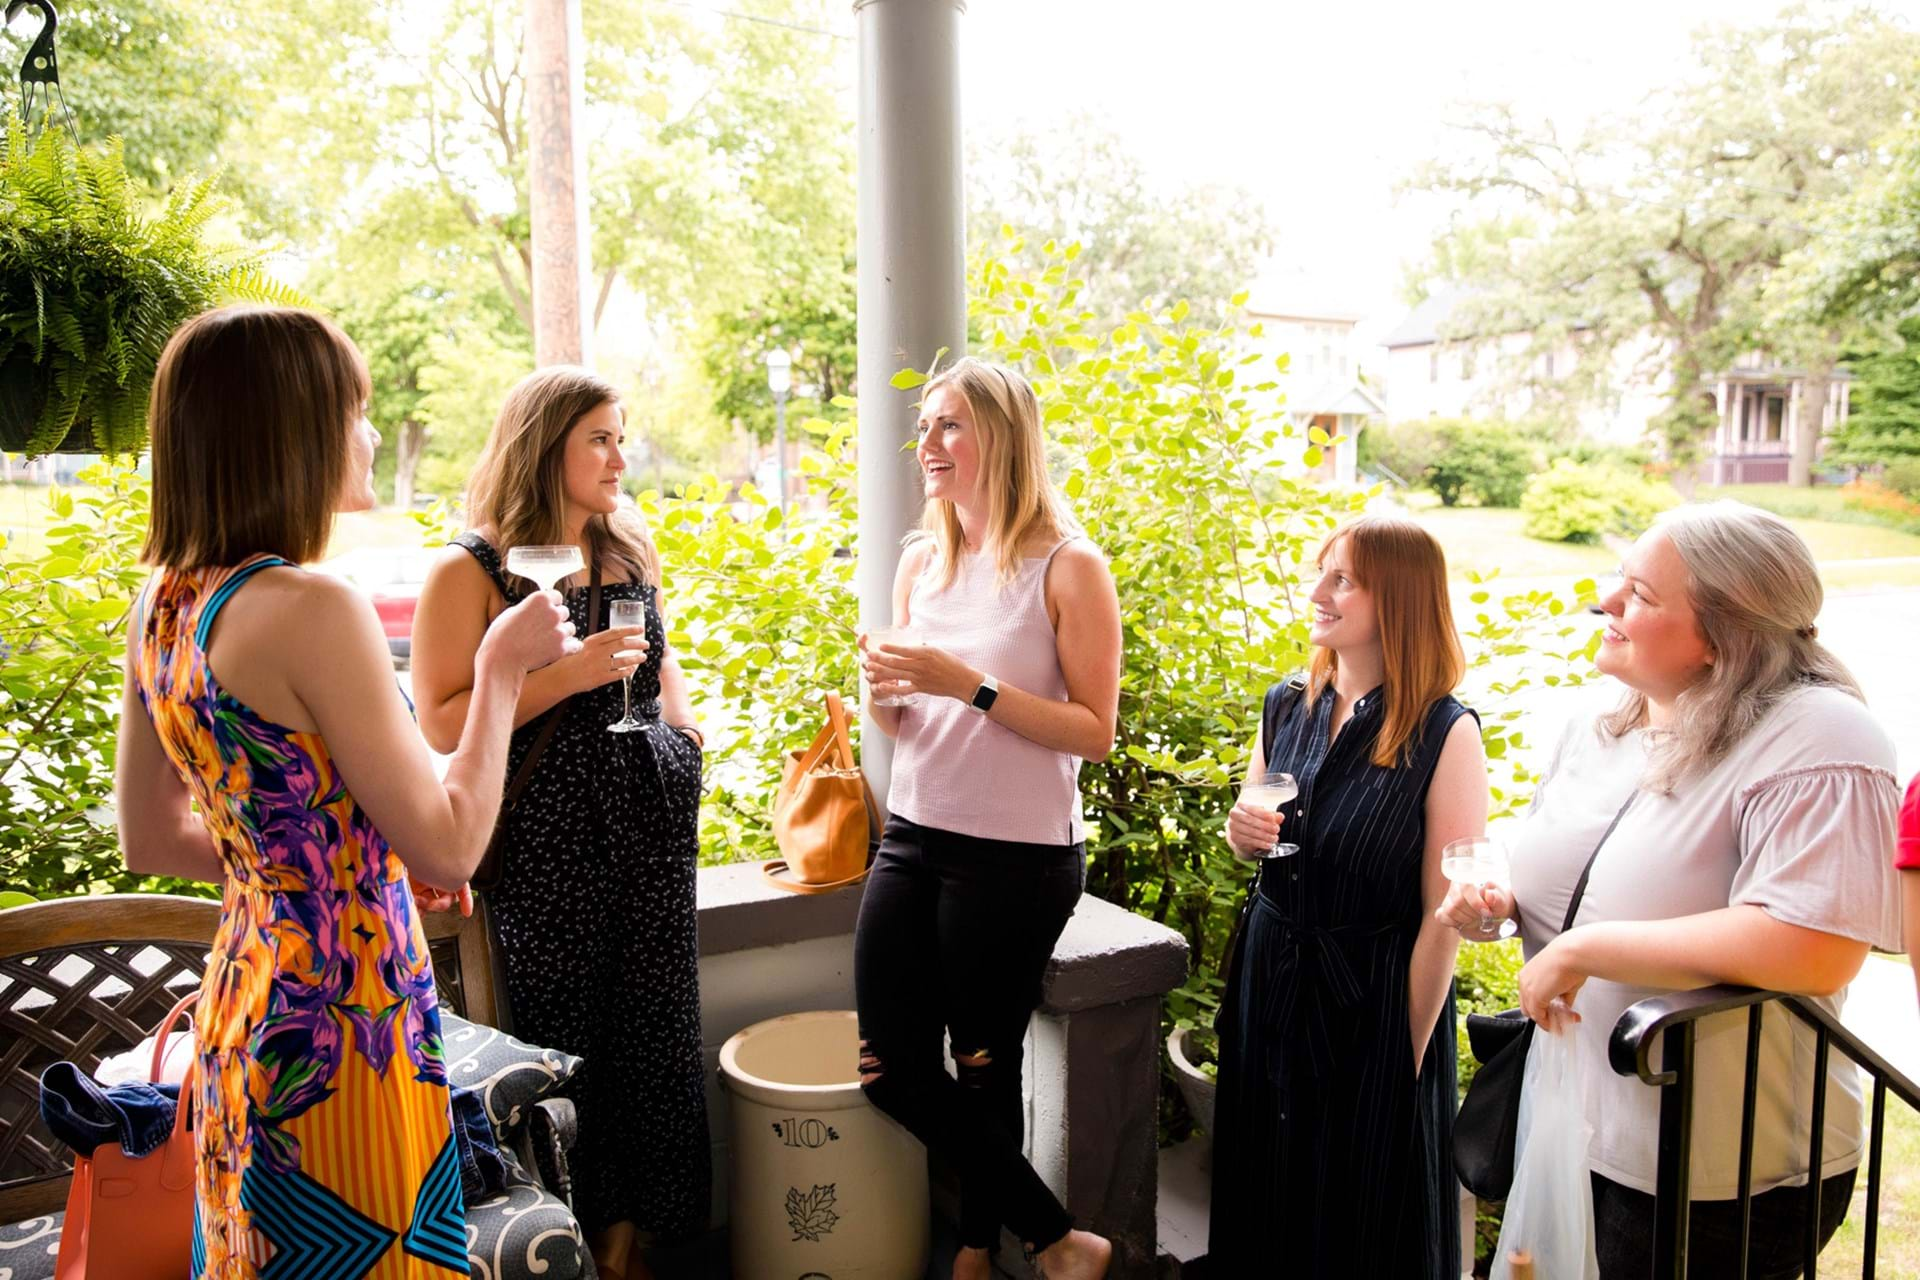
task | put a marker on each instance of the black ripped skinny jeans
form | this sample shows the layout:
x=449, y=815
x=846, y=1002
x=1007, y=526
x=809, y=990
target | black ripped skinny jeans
x=954, y=937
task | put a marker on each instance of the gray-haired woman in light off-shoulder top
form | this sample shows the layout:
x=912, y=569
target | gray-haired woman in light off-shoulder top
x=1753, y=850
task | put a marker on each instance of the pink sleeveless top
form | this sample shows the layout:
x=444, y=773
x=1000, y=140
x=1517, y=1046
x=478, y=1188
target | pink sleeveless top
x=956, y=770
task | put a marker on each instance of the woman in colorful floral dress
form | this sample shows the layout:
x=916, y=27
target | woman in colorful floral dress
x=265, y=745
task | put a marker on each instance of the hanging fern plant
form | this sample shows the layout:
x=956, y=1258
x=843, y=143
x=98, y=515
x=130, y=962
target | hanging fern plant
x=93, y=281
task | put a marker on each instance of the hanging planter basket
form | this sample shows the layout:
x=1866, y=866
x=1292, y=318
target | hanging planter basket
x=93, y=281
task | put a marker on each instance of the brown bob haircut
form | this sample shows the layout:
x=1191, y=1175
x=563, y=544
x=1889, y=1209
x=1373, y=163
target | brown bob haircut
x=250, y=418
x=1405, y=570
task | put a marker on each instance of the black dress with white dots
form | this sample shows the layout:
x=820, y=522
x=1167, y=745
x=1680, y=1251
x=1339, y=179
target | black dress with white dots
x=598, y=929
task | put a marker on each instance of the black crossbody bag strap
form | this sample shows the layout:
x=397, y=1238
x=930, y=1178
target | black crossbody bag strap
x=1580, y=886
x=551, y=722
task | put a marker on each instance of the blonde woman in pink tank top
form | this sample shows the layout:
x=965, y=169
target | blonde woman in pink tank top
x=1017, y=682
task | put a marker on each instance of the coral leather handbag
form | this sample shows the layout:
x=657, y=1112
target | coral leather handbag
x=132, y=1219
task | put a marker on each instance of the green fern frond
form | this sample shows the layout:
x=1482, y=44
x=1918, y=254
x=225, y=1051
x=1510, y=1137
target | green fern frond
x=251, y=284
x=110, y=277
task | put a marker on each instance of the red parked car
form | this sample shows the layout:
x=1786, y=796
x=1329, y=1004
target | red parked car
x=392, y=577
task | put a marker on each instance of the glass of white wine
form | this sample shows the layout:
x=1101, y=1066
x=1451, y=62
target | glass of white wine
x=544, y=566
x=888, y=695
x=1482, y=861
x=1271, y=790
x=627, y=613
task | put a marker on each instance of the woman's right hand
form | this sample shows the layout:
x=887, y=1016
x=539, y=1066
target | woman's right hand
x=1466, y=906
x=1252, y=828
x=530, y=635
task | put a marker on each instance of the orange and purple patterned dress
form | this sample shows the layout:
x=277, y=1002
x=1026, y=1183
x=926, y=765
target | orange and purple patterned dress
x=324, y=1141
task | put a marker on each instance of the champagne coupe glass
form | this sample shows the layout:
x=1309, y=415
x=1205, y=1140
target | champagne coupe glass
x=544, y=566
x=1271, y=790
x=894, y=637
x=627, y=613
x=1480, y=860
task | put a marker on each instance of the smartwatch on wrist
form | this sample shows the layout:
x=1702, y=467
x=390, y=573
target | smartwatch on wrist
x=983, y=696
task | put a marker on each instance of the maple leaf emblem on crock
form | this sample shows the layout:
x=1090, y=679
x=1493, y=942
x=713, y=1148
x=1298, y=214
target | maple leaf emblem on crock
x=810, y=1213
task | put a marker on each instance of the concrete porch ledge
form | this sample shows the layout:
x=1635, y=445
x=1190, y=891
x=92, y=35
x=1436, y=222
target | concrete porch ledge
x=741, y=910
x=1092, y=1063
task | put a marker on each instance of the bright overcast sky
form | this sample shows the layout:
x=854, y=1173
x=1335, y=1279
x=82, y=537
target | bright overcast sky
x=1320, y=108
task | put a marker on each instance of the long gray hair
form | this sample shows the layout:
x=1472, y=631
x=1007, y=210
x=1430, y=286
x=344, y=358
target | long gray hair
x=1756, y=593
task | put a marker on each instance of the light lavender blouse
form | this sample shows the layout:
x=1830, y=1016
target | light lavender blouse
x=1798, y=820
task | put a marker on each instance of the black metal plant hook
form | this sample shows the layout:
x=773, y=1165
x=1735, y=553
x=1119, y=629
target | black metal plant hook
x=41, y=67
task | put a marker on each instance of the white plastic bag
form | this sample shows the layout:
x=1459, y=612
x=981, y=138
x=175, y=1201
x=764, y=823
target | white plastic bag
x=1550, y=1209
x=132, y=1066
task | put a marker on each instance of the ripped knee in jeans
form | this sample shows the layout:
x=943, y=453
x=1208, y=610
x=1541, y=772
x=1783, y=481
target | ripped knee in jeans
x=871, y=1068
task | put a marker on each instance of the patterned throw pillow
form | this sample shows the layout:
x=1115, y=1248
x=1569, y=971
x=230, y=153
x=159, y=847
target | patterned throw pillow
x=509, y=1075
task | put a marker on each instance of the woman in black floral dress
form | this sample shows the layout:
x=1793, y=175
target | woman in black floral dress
x=595, y=905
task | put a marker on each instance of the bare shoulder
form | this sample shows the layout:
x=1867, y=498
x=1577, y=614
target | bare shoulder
x=455, y=571
x=315, y=608
x=1463, y=740
x=1078, y=568
x=914, y=560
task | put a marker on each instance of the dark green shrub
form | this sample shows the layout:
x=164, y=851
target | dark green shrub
x=1903, y=477
x=1487, y=462
x=1590, y=453
x=1458, y=458
x=1406, y=449
x=1575, y=503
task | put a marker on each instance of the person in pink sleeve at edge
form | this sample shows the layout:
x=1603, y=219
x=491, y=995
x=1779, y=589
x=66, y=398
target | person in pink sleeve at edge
x=1907, y=858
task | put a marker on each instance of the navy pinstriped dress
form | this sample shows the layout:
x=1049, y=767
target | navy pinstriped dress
x=1330, y=1157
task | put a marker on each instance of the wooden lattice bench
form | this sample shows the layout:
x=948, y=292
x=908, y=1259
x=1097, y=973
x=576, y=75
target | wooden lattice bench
x=86, y=978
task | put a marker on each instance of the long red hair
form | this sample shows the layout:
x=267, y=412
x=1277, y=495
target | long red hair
x=1405, y=570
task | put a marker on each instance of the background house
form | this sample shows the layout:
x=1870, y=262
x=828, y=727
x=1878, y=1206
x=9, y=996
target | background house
x=1325, y=384
x=1435, y=372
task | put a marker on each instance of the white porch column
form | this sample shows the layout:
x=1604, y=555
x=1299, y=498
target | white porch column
x=1723, y=435
x=557, y=183
x=912, y=274
x=1791, y=434
x=1346, y=458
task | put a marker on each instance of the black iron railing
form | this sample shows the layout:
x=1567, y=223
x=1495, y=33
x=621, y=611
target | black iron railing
x=1671, y=1021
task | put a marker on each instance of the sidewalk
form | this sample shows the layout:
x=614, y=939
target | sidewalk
x=1882, y=1010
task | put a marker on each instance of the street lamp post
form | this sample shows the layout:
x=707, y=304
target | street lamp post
x=780, y=381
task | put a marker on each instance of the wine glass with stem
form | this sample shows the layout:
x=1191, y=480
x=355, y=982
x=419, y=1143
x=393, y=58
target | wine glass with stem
x=1271, y=789
x=545, y=565
x=627, y=613
x=1482, y=861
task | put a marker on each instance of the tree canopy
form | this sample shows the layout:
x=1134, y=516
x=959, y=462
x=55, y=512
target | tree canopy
x=1655, y=235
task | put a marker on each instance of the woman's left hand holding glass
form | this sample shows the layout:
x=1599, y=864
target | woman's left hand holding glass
x=1551, y=981
x=919, y=668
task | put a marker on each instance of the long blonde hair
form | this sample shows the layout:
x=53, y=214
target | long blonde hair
x=1756, y=594
x=1403, y=568
x=518, y=488
x=1021, y=497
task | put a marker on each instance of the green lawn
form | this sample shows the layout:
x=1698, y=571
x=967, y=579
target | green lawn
x=24, y=515
x=374, y=529
x=1487, y=537
x=1897, y=1252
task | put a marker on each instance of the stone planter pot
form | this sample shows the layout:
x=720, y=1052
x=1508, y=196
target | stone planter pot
x=1194, y=1087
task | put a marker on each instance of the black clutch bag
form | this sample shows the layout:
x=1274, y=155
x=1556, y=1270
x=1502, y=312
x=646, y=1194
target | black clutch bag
x=1484, y=1131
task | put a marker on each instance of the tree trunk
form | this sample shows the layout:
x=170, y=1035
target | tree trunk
x=406, y=461
x=1812, y=419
